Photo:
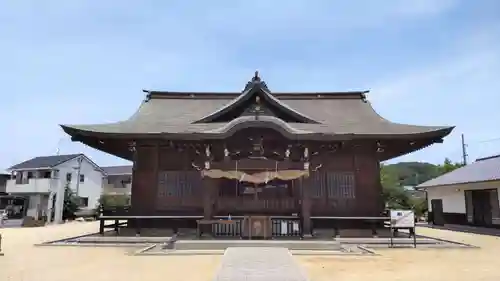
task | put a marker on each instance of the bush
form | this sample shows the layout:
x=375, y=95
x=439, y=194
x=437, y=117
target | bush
x=111, y=201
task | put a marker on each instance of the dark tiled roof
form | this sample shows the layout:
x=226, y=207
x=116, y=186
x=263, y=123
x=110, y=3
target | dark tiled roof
x=117, y=170
x=44, y=162
x=342, y=115
x=486, y=169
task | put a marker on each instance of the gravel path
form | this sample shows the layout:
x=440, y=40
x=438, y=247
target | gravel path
x=259, y=264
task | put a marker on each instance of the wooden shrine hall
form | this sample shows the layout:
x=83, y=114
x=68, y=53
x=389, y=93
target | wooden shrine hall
x=260, y=159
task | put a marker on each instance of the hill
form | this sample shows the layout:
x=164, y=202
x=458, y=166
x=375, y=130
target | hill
x=396, y=176
x=414, y=173
x=410, y=173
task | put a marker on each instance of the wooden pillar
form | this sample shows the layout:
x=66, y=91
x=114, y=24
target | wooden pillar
x=134, y=187
x=208, y=197
x=306, y=209
x=208, y=187
x=208, y=203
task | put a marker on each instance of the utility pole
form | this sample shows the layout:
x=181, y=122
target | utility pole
x=464, y=150
x=78, y=169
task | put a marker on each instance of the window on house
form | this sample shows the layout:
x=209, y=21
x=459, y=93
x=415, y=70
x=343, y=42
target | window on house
x=46, y=174
x=83, y=202
x=82, y=178
x=68, y=177
x=30, y=175
x=127, y=180
x=55, y=174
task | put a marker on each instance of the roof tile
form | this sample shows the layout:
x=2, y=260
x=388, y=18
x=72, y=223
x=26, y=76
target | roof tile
x=43, y=162
x=487, y=169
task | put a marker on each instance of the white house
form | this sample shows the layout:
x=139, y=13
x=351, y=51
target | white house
x=118, y=180
x=4, y=176
x=42, y=181
x=468, y=195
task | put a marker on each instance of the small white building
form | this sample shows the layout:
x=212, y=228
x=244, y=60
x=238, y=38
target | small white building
x=4, y=176
x=468, y=195
x=118, y=180
x=42, y=180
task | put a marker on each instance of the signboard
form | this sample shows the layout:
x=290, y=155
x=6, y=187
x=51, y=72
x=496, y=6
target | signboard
x=402, y=219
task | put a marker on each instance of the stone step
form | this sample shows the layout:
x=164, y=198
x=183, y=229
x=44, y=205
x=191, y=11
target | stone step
x=259, y=264
x=224, y=244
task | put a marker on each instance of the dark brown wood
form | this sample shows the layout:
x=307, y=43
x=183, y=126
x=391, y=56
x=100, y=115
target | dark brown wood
x=344, y=179
x=208, y=200
x=306, y=209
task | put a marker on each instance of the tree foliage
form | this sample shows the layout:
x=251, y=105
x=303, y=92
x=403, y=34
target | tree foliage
x=110, y=201
x=70, y=203
x=395, y=177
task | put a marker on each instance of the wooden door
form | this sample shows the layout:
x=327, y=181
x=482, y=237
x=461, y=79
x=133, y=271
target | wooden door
x=469, y=206
x=437, y=212
x=482, y=207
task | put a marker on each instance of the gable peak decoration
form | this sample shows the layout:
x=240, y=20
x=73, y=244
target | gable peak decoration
x=256, y=81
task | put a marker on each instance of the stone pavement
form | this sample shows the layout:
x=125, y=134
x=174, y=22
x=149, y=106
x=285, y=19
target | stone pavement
x=259, y=264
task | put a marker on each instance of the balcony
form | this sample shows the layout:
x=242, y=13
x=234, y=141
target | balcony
x=34, y=185
x=115, y=189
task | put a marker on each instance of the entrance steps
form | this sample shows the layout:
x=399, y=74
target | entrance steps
x=302, y=245
x=259, y=264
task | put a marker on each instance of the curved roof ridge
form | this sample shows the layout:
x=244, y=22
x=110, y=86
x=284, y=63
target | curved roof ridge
x=251, y=88
x=261, y=119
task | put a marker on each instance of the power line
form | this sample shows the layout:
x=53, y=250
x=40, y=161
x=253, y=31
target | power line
x=489, y=140
x=458, y=151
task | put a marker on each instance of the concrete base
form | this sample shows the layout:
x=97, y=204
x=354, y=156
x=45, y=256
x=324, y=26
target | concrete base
x=290, y=245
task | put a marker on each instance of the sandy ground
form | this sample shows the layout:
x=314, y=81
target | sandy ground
x=415, y=264
x=24, y=262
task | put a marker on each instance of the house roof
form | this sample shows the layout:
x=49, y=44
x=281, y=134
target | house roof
x=484, y=169
x=44, y=162
x=333, y=115
x=118, y=170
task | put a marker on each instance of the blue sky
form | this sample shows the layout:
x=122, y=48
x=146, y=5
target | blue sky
x=426, y=62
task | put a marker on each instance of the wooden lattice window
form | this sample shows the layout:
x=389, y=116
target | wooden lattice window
x=178, y=184
x=340, y=185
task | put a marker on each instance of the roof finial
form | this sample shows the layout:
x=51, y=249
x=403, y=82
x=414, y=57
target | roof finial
x=256, y=76
x=255, y=82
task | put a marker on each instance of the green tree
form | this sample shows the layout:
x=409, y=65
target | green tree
x=394, y=194
x=110, y=201
x=448, y=166
x=395, y=177
x=70, y=203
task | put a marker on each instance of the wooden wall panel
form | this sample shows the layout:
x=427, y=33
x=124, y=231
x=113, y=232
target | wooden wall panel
x=179, y=189
x=144, y=180
x=347, y=184
x=368, y=187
